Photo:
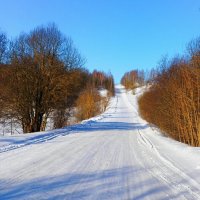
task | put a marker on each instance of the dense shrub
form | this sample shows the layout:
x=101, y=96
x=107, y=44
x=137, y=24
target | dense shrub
x=173, y=101
x=88, y=104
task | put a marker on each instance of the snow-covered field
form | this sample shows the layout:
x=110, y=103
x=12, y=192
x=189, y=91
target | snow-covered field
x=116, y=155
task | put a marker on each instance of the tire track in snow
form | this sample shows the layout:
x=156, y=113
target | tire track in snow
x=168, y=171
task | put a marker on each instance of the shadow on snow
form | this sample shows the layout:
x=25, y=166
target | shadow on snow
x=120, y=183
x=86, y=127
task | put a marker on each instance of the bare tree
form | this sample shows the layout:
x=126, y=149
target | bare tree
x=41, y=62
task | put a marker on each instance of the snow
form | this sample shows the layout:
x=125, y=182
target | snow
x=103, y=92
x=116, y=155
x=10, y=127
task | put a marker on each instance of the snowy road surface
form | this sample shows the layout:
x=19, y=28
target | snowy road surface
x=116, y=155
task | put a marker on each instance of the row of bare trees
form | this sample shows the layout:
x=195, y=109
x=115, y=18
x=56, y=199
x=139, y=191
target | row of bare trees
x=42, y=75
x=173, y=100
x=100, y=79
x=90, y=102
x=133, y=79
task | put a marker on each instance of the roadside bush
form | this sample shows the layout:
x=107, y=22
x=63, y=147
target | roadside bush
x=88, y=104
x=173, y=101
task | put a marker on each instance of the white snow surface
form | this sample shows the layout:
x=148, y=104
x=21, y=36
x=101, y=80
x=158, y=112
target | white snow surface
x=113, y=156
x=103, y=92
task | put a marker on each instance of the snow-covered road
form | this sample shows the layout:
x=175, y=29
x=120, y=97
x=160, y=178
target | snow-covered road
x=116, y=155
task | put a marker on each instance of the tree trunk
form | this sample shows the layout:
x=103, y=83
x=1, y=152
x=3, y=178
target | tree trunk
x=44, y=123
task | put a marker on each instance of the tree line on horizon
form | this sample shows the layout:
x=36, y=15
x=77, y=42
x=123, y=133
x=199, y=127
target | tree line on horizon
x=132, y=79
x=41, y=74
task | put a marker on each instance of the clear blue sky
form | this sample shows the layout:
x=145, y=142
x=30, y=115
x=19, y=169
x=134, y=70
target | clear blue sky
x=113, y=35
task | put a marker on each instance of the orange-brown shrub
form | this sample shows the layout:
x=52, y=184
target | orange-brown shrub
x=88, y=104
x=173, y=101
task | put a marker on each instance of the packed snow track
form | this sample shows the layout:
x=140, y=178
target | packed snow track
x=116, y=155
